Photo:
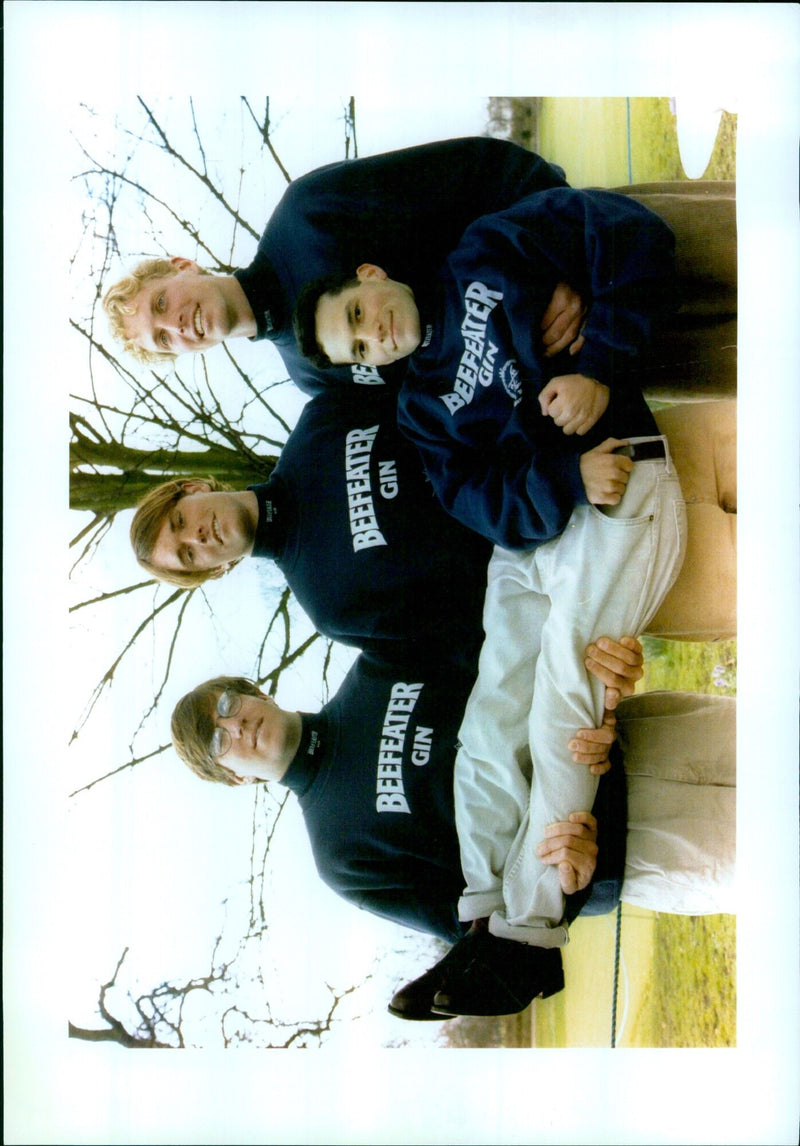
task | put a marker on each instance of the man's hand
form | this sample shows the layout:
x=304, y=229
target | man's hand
x=617, y=665
x=573, y=846
x=590, y=746
x=604, y=473
x=574, y=402
x=562, y=321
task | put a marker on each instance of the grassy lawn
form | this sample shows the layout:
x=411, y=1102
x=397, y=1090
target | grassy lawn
x=589, y=138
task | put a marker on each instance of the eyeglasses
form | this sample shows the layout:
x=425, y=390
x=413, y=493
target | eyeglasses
x=228, y=705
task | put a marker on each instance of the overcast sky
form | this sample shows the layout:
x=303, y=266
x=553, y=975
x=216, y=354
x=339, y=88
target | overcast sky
x=397, y=59
x=176, y=847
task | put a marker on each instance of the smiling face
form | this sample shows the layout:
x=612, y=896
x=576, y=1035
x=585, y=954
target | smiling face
x=374, y=322
x=186, y=312
x=205, y=531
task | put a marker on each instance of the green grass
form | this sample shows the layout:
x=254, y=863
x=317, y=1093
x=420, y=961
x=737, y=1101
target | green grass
x=589, y=139
x=693, y=982
x=708, y=667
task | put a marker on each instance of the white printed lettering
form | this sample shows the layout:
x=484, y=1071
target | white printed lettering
x=390, y=793
x=364, y=525
x=421, y=752
x=387, y=472
x=477, y=362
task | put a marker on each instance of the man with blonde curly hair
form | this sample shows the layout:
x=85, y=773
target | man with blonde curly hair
x=166, y=307
x=407, y=210
x=408, y=207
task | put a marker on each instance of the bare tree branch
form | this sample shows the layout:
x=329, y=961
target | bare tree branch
x=122, y=768
x=176, y=155
x=111, y=595
x=165, y=676
x=108, y=675
x=350, y=129
x=265, y=135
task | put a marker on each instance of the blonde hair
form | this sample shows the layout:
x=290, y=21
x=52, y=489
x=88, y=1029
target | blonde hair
x=119, y=303
x=146, y=526
x=193, y=726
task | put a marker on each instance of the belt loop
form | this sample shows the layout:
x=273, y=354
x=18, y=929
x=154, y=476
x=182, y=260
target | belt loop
x=667, y=455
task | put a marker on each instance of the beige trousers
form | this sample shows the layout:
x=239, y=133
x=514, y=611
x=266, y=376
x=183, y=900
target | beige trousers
x=680, y=763
x=693, y=356
x=701, y=606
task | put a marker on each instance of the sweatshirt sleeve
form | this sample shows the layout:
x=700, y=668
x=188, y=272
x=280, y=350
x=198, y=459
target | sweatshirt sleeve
x=615, y=252
x=404, y=907
x=431, y=192
x=514, y=491
x=404, y=210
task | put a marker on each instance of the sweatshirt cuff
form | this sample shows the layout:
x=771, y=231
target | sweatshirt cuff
x=595, y=361
x=571, y=473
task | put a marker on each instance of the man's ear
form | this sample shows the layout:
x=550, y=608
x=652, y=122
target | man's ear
x=182, y=264
x=370, y=271
x=237, y=780
x=195, y=487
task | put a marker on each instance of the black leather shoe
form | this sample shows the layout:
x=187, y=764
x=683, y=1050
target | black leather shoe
x=498, y=977
x=415, y=999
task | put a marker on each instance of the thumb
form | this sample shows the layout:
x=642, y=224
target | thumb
x=546, y=396
x=613, y=697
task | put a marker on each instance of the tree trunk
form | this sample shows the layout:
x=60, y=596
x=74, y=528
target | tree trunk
x=138, y=471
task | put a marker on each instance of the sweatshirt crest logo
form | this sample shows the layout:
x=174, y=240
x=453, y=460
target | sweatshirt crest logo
x=509, y=376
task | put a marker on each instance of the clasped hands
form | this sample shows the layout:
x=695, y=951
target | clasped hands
x=576, y=402
x=572, y=845
x=573, y=401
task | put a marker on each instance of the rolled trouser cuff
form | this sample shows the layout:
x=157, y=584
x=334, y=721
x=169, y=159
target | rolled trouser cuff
x=479, y=905
x=534, y=936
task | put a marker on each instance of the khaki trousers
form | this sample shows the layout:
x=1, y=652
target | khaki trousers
x=693, y=356
x=701, y=606
x=680, y=762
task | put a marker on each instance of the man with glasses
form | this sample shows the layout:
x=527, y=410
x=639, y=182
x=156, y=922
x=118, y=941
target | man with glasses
x=373, y=772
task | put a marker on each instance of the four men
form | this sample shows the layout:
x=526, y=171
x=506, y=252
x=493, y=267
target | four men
x=406, y=580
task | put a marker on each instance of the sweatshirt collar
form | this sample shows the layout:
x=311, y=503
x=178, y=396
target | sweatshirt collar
x=262, y=287
x=271, y=529
x=303, y=770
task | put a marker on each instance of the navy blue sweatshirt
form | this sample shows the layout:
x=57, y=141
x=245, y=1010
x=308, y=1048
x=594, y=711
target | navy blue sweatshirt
x=374, y=776
x=469, y=401
x=352, y=522
x=406, y=210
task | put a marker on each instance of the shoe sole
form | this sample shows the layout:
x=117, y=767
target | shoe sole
x=428, y=1017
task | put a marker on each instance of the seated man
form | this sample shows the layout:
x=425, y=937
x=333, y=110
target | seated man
x=373, y=772
x=478, y=404
x=483, y=405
